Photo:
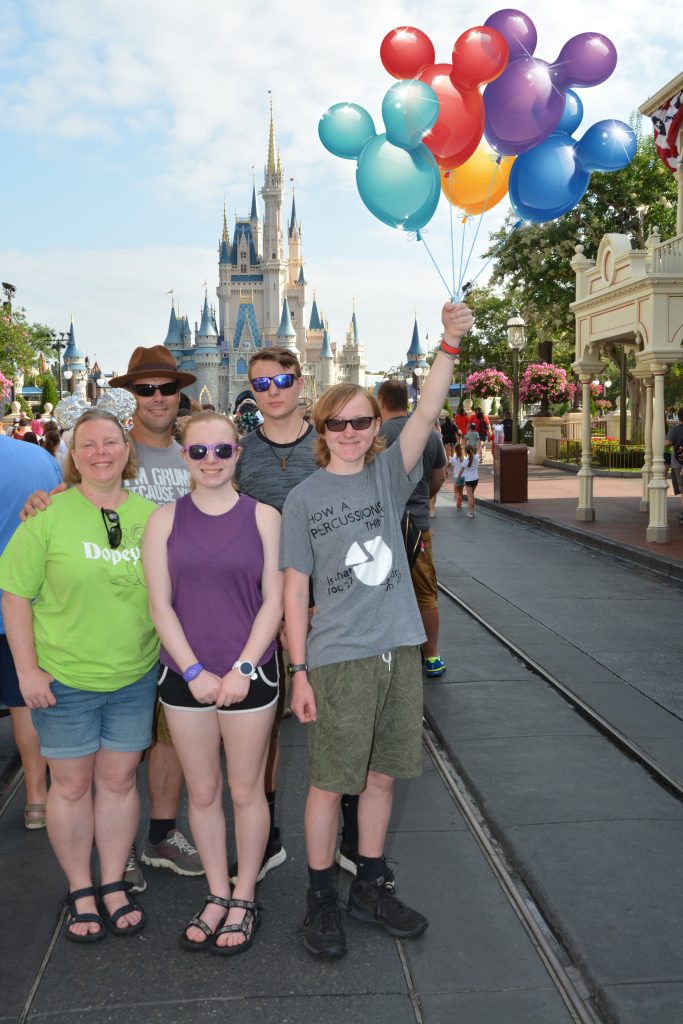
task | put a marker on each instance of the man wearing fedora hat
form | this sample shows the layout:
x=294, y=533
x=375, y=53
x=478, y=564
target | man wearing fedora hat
x=156, y=382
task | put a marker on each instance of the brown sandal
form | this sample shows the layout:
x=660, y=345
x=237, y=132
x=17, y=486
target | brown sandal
x=34, y=816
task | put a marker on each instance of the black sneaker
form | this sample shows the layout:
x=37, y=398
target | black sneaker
x=347, y=859
x=274, y=856
x=370, y=901
x=323, y=930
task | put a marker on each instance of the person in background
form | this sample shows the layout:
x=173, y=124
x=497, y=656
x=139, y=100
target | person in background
x=483, y=428
x=23, y=469
x=86, y=655
x=449, y=436
x=37, y=427
x=470, y=471
x=675, y=439
x=457, y=463
x=462, y=420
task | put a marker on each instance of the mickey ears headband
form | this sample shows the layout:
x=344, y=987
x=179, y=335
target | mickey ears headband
x=117, y=401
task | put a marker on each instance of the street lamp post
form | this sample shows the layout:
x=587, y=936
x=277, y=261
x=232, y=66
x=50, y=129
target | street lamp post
x=58, y=347
x=516, y=342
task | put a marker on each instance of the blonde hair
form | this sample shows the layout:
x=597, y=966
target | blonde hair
x=331, y=402
x=207, y=416
x=72, y=474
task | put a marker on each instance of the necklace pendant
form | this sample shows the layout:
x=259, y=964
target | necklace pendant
x=283, y=463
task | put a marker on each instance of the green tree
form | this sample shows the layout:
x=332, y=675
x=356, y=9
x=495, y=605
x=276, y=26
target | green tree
x=49, y=386
x=18, y=348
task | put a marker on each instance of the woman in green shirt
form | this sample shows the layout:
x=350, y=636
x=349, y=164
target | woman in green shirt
x=86, y=654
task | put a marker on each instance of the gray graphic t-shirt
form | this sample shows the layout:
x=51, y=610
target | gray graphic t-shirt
x=162, y=476
x=344, y=532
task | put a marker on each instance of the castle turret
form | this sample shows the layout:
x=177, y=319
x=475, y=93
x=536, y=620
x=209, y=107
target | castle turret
x=274, y=265
x=286, y=335
x=326, y=372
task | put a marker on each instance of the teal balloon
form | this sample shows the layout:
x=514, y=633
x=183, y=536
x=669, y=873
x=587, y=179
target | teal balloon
x=400, y=187
x=409, y=110
x=344, y=129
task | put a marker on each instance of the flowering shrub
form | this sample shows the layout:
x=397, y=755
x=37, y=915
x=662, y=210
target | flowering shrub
x=5, y=386
x=544, y=381
x=596, y=389
x=487, y=384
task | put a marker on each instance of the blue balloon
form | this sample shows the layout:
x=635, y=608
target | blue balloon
x=400, y=187
x=409, y=110
x=344, y=129
x=546, y=182
x=607, y=146
x=573, y=113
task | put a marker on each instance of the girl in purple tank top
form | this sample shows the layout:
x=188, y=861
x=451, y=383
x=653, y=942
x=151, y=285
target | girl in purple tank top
x=211, y=563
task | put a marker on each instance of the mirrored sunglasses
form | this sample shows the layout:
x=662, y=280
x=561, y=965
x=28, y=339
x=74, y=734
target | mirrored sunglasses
x=172, y=387
x=112, y=522
x=281, y=380
x=336, y=425
x=223, y=450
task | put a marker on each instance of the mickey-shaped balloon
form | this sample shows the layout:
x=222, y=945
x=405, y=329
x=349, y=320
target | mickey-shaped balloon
x=479, y=56
x=525, y=104
x=549, y=180
x=397, y=176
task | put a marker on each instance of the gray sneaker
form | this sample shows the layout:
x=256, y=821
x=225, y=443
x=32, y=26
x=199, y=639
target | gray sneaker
x=133, y=873
x=174, y=852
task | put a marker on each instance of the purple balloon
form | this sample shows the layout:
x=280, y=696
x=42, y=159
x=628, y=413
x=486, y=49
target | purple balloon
x=523, y=106
x=517, y=29
x=586, y=59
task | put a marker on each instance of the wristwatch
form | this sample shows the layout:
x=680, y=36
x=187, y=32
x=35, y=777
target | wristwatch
x=245, y=668
x=292, y=669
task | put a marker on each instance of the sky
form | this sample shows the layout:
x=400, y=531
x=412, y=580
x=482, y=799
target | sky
x=126, y=124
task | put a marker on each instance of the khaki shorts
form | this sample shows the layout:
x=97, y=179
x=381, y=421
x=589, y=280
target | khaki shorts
x=369, y=718
x=423, y=575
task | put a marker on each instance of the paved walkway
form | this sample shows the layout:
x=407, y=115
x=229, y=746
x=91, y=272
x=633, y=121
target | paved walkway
x=619, y=526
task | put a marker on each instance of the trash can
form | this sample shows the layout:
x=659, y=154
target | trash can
x=510, y=473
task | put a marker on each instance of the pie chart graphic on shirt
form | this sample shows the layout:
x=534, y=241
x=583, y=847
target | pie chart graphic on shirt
x=370, y=560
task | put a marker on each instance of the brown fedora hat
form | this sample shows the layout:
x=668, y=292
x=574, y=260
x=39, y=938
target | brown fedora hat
x=156, y=361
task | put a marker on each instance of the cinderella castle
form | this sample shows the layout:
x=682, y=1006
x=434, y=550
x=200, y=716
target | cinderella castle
x=262, y=301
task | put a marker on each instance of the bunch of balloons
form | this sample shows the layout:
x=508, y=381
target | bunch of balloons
x=442, y=135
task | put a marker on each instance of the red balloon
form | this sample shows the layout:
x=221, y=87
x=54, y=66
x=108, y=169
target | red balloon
x=460, y=124
x=405, y=51
x=479, y=56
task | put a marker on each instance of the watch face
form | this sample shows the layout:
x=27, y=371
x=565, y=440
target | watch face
x=246, y=668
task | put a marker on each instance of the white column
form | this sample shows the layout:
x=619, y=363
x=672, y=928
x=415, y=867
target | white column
x=585, y=513
x=658, y=529
x=647, y=464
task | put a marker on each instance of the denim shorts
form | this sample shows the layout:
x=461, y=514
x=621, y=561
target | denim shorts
x=82, y=721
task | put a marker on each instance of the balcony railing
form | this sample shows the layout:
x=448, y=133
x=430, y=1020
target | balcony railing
x=667, y=257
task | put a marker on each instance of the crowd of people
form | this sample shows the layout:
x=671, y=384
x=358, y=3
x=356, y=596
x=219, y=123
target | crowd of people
x=178, y=559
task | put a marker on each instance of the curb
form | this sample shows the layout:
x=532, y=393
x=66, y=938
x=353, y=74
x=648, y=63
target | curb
x=656, y=564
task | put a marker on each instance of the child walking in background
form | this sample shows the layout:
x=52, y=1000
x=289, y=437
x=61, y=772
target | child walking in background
x=458, y=463
x=470, y=471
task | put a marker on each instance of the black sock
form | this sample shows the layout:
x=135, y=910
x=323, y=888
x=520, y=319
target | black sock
x=270, y=797
x=370, y=868
x=322, y=880
x=159, y=829
x=349, y=808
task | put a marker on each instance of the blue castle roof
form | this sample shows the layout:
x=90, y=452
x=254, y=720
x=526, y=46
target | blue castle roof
x=292, y=219
x=243, y=230
x=246, y=316
x=224, y=252
x=301, y=279
x=356, y=333
x=416, y=353
x=206, y=328
x=285, y=330
x=326, y=350
x=316, y=323
x=253, y=214
x=72, y=352
x=174, y=335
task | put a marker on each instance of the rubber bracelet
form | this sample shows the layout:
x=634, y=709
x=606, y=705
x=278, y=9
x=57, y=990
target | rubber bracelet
x=293, y=669
x=448, y=349
x=192, y=672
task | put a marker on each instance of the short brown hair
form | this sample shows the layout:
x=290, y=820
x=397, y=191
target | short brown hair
x=284, y=356
x=332, y=400
x=72, y=475
x=393, y=394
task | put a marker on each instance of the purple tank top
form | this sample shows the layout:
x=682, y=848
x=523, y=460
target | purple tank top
x=215, y=564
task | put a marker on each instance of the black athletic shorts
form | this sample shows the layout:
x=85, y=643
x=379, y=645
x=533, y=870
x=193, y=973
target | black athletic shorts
x=263, y=691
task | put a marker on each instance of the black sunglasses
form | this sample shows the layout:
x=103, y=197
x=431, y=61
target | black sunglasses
x=112, y=522
x=336, y=425
x=223, y=450
x=281, y=380
x=147, y=390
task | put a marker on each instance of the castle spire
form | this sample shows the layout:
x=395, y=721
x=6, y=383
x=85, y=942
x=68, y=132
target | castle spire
x=271, y=166
x=226, y=236
x=254, y=213
x=292, y=219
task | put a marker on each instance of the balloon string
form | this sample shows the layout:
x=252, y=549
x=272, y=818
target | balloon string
x=462, y=253
x=450, y=207
x=419, y=237
x=471, y=284
x=481, y=217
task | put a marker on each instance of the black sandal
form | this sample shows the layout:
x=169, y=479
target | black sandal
x=248, y=926
x=76, y=918
x=197, y=922
x=132, y=904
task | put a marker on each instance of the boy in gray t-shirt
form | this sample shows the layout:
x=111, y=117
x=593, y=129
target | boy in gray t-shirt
x=356, y=678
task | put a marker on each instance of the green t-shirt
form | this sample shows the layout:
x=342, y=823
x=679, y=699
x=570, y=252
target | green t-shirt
x=90, y=615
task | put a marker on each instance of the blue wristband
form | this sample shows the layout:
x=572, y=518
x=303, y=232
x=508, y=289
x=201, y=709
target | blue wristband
x=192, y=672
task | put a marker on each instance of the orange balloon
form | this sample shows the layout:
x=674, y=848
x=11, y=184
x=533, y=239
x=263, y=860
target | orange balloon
x=479, y=183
